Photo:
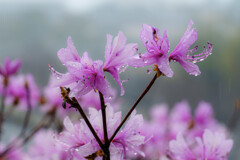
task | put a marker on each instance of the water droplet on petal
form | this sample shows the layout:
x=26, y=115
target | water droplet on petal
x=195, y=74
x=194, y=61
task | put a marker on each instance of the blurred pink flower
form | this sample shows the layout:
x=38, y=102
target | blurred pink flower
x=17, y=92
x=212, y=145
x=10, y=67
x=44, y=147
x=14, y=154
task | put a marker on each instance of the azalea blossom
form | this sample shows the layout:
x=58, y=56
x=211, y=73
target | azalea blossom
x=44, y=147
x=91, y=99
x=185, y=56
x=165, y=126
x=117, y=56
x=53, y=100
x=69, y=54
x=79, y=141
x=10, y=67
x=83, y=74
x=157, y=50
x=212, y=145
x=17, y=92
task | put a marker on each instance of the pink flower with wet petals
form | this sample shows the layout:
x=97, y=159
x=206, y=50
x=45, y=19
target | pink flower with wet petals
x=117, y=56
x=79, y=141
x=157, y=50
x=185, y=56
x=83, y=74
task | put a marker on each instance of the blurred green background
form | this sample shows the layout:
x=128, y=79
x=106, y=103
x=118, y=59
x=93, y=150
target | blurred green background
x=35, y=30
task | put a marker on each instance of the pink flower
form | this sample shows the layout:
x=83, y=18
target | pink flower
x=69, y=54
x=157, y=50
x=180, y=118
x=91, y=99
x=212, y=146
x=14, y=154
x=17, y=92
x=52, y=96
x=117, y=56
x=10, y=67
x=184, y=55
x=79, y=141
x=215, y=146
x=83, y=73
x=44, y=147
x=180, y=150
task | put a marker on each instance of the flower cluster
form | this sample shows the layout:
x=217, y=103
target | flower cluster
x=78, y=141
x=179, y=135
x=103, y=133
x=85, y=75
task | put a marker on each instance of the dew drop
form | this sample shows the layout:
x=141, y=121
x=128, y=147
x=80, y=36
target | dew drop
x=194, y=61
x=195, y=74
x=135, y=153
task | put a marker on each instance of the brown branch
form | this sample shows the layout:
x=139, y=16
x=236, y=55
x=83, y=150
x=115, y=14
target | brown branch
x=134, y=106
x=74, y=104
x=106, y=146
x=103, y=108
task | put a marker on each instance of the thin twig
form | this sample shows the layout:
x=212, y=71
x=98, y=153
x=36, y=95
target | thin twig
x=42, y=124
x=28, y=113
x=133, y=107
x=74, y=104
x=106, y=146
x=79, y=108
x=103, y=108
